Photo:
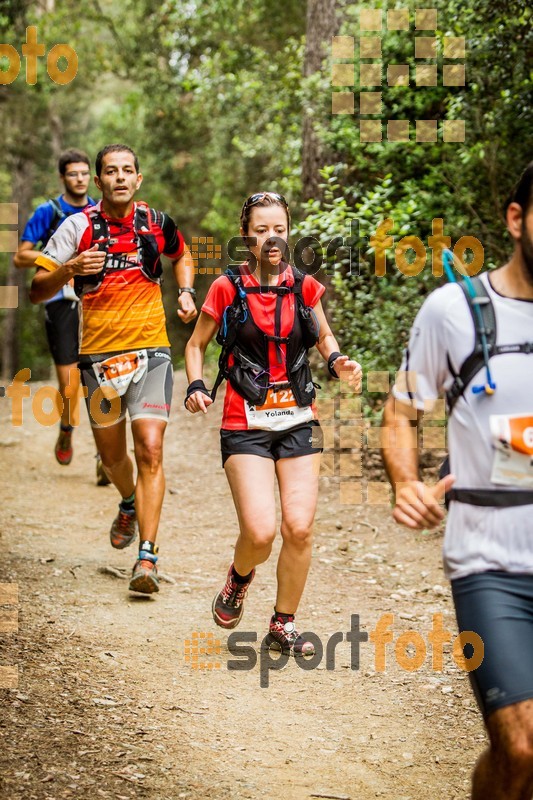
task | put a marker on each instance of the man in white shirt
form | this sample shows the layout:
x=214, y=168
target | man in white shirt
x=488, y=545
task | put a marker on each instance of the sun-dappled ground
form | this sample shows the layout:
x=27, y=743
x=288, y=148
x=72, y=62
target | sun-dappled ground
x=115, y=698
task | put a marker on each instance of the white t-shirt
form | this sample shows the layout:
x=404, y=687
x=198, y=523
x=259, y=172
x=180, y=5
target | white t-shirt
x=477, y=539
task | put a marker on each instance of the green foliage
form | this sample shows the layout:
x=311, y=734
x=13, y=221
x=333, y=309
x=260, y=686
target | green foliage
x=370, y=313
x=211, y=96
x=465, y=184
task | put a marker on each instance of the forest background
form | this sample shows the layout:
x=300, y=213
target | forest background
x=223, y=98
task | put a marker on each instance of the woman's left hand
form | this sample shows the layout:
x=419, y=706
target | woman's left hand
x=349, y=371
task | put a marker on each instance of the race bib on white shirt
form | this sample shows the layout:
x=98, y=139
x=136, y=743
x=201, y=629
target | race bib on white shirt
x=119, y=371
x=512, y=438
x=279, y=412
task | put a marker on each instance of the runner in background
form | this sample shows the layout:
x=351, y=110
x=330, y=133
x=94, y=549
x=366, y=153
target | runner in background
x=61, y=310
x=488, y=543
x=269, y=315
x=113, y=252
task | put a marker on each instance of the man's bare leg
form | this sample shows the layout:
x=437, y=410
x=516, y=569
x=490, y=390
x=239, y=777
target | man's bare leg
x=111, y=444
x=69, y=375
x=505, y=770
x=150, y=489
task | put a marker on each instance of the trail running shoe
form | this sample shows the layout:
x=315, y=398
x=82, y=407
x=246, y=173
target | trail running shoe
x=63, y=448
x=284, y=636
x=101, y=475
x=144, y=577
x=228, y=605
x=123, y=530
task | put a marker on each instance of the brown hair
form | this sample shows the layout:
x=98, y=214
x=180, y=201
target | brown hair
x=262, y=199
x=114, y=148
x=522, y=192
x=72, y=157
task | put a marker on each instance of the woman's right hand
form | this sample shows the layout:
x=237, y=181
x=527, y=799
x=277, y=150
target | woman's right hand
x=198, y=401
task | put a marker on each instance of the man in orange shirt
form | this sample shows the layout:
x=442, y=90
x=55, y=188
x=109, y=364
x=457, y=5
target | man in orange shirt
x=113, y=252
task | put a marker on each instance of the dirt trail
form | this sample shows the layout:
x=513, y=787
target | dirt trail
x=107, y=704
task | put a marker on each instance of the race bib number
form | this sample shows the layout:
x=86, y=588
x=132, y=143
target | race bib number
x=119, y=371
x=279, y=412
x=512, y=438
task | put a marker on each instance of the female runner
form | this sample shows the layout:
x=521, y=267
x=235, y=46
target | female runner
x=267, y=314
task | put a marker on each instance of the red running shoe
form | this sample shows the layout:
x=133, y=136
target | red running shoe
x=63, y=448
x=144, y=577
x=228, y=605
x=284, y=636
x=123, y=530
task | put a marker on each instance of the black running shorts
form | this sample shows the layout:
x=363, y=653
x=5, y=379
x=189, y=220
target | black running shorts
x=498, y=606
x=150, y=398
x=62, y=330
x=303, y=440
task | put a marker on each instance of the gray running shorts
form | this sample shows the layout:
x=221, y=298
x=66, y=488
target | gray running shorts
x=150, y=398
x=498, y=606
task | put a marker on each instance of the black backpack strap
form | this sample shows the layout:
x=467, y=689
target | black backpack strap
x=298, y=283
x=279, y=290
x=522, y=347
x=141, y=219
x=498, y=498
x=99, y=236
x=241, y=291
x=218, y=381
x=100, y=231
x=58, y=216
x=484, y=318
x=227, y=331
x=146, y=217
x=58, y=211
x=157, y=217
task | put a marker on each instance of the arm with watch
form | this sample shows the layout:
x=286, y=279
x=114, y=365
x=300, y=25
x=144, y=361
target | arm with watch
x=183, y=269
x=340, y=367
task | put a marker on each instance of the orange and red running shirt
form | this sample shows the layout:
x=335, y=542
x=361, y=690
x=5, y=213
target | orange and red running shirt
x=126, y=312
x=262, y=308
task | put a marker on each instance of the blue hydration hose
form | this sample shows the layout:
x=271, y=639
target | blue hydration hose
x=448, y=259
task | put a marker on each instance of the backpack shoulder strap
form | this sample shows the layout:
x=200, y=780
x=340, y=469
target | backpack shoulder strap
x=58, y=211
x=299, y=278
x=99, y=228
x=100, y=236
x=58, y=215
x=234, y=314
x=233, y=275
x=146, y=217
x=484, y=319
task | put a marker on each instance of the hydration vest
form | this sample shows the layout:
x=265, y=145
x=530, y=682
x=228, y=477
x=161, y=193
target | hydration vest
x=58, y=216
x=148, y=251
x=249, y=344
x=485, y=348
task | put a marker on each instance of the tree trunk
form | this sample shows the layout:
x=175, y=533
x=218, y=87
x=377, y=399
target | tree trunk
x=321, y=26
x=55, y=125
x=21, y=194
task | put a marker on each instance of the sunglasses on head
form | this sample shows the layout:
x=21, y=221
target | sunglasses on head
x=256, y=198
